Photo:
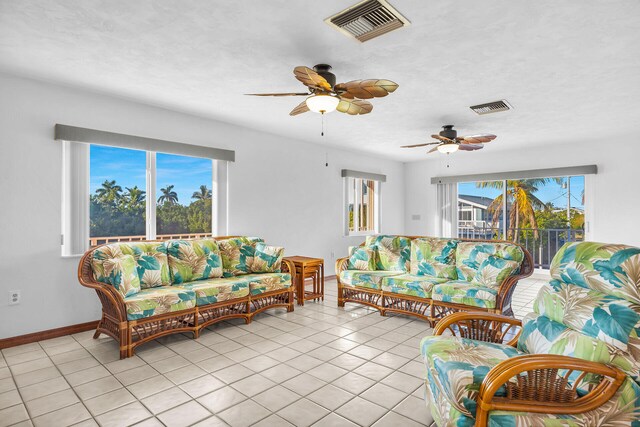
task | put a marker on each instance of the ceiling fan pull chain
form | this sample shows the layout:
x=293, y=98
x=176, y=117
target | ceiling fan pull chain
x=322, y=114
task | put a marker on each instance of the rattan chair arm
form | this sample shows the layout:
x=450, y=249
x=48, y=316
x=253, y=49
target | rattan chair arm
x=540, y=388
x=341, y=265
x=289, y=267
x=112, y=301
x=505, y=289
x=481, y=326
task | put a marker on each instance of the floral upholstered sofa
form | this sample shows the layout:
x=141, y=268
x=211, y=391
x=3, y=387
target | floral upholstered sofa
x=149, y=289
x=574, y=361
x=429, y=277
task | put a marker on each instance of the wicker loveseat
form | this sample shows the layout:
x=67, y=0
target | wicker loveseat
x=574, y=361
x=150, y=289
x=430, y=277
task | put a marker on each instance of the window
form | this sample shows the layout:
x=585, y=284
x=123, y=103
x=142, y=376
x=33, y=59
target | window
x=362, y=198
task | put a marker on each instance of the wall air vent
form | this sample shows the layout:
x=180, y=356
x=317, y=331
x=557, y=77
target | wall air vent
x=491, y=107
x=367, y=20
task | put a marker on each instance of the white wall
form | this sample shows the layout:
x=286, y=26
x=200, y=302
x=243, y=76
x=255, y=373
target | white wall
x=612, y=201
x=279, y=189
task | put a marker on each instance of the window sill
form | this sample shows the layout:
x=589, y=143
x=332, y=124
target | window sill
x=361, y=234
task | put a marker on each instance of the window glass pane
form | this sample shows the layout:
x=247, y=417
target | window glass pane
x=485, y=200
x=118, y=199
x=351, y=198
x=183, y=195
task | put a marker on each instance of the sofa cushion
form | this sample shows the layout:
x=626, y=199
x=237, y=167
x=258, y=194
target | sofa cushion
x=606, y=268
x=365, y=279
x=158, y=300
x=494, y=270
x=468, y=293
x=267, y=259
x=151, y=262
x=409, y=284
x=196, y=259
x=211, y=291
x=431, y=256
x=267, y=282
x=362, y=258
x=471, y=255
x=611, y=320
x=394, y=252
x=114, y=268
x=237, y=255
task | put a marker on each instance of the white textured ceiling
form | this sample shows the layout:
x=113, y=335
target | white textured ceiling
x=571, y=68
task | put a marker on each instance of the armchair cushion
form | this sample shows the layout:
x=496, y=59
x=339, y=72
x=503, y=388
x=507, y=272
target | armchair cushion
x=237, y=255
x=362, y=258
x=434, y=257
x=216, y=290
x=469, y=293
x=197, y=259
x=409, y=284
x=365, y=279
x=114, y=268
x=470, y=257
x=267, y=259
x=158, y=300
x=394, y=252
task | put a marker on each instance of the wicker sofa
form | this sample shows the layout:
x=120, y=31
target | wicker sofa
x=150, y=289
x=431, y=277
x=574, y=361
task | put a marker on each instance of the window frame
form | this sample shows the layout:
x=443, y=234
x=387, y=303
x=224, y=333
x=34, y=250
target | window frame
x=357, y=184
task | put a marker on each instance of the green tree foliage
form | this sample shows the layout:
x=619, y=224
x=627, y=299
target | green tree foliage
x=114, y=213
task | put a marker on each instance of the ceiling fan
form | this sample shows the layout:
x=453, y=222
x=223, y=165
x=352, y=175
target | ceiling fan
x=325, y=96
x=449, y=141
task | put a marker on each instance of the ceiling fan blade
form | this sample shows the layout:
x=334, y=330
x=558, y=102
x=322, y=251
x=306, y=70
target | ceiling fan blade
x=365, y=89
x=442, y=138
x=301, y=108
x=470, y=147
x=476, y=139
x=354, y=107
x=432, y=150
x=419, y=145
x=311, y=79
x=279, y=94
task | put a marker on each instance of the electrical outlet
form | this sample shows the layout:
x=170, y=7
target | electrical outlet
x=14, y=297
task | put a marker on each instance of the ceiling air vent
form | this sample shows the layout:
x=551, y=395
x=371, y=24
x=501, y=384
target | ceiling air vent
x=367, y=20
x=491, y=107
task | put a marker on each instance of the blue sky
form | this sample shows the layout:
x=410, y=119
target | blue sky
x=128, y=168
x=551, y=192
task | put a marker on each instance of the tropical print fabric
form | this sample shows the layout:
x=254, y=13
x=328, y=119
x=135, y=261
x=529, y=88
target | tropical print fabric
x=611, y=269
x=197, y=259
x=261, y=283
x=362, y=258
x=151, y=262
x=470, y=256
x=493, y=271
x=158, y=300
x=468, y=293
x=237, y=255
x=609, y=319
x=409, y=284
x=114, y=268
x=212, y=291
x=393, y=252
x=267, y=259
x=365, y=279
x=432, y=256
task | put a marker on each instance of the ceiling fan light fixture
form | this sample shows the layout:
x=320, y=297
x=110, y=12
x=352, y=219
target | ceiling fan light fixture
x=322, y=103
x=448, y=148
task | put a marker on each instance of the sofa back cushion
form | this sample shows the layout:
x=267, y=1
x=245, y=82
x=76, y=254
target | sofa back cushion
x=607, y=268
x=114, y=268
x=267, y=259
x=394, y=252
x=432, y=256
x=151, y=262
x=481, y=261
x=196, y=259
x=237, y=255
x=362, y=258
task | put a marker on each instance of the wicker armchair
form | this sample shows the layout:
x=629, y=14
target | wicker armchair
x=565, y=364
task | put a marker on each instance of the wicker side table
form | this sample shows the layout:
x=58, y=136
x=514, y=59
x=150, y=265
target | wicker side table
x=308, y=268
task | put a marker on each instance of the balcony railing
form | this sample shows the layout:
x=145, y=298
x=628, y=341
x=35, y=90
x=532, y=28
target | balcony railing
x=95, y=241
x=542, y=248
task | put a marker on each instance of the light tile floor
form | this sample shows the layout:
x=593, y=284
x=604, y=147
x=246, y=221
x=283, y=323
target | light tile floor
x=320, y=366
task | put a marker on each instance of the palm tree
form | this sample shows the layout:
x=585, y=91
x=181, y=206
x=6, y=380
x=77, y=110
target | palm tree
x=203, y=194
x=168, y=195
x=521, y=204
x=135, y=195
x=109, y=192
